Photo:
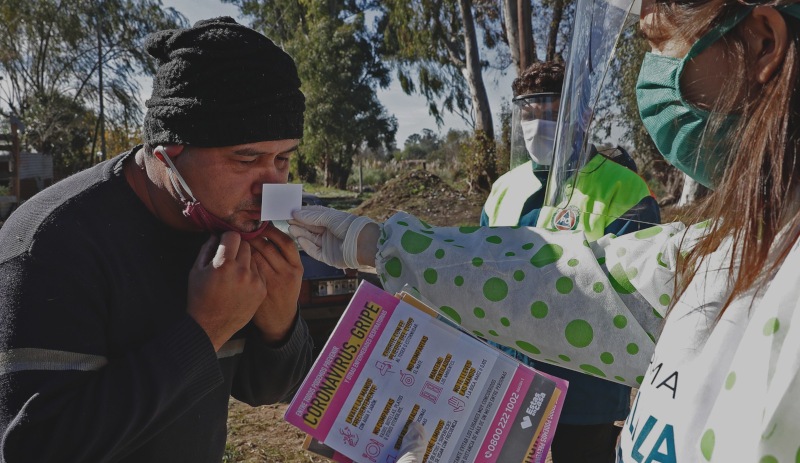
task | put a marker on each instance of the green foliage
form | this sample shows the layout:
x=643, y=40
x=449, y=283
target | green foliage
x=504, y=144
x=5, y=190
x=419, y=146
x=340, y=71
x=232, y=454
x=479, y=160
x=49, y=64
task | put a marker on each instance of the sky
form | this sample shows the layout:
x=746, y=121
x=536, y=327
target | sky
x=410, y=110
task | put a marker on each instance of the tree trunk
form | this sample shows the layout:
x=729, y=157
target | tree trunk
x=555, y=23
x=519, y=33
x=512, y=31
x=480, y=100
x=527, y=54
x=692, y=191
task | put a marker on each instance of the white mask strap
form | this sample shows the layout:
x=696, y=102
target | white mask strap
x=173, y=174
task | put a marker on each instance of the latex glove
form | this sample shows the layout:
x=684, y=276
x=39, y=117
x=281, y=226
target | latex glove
x=339, y=239
x=414, y=444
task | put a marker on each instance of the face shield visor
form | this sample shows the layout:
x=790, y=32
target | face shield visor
x=588, y=97
x=533, y=128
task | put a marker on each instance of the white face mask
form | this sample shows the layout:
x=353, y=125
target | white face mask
x=540, y=140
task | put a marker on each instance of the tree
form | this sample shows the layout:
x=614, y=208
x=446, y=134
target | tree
x=340, y=72
x=437, y=40
x=420, y=146
x=51, y=52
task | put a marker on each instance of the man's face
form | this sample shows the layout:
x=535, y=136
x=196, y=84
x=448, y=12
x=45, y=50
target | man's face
x=227, y=180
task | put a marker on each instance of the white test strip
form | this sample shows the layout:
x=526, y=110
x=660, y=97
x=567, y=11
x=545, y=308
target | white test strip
x=278, y=200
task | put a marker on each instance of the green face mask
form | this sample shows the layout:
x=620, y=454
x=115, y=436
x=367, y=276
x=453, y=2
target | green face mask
x=677, y=127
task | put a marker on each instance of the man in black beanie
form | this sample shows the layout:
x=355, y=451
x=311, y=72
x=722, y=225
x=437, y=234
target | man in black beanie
x=137, y=296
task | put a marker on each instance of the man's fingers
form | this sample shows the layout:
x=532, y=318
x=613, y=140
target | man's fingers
x=207, y=252
x=228, y=248
x=284, y=242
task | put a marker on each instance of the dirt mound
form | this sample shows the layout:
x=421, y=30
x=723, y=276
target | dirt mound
x=424, y=195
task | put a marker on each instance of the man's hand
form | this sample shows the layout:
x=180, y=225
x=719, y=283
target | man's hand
x=282, y=272
x=225, y=287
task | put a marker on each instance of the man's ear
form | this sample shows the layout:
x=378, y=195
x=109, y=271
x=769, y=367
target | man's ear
x=767, y=40
x=167, y=150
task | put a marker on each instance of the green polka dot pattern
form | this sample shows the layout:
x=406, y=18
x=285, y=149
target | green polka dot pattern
x=707, y=444
x=564, y=285
x=730, y=380
x=539, y=309
x=648, y=233
x=394, y=268
x=548, y=254
x=414, y=243
x=772, y=326
x=593, y=370
x=450, y=312
x=486, y=281
x=527, y=347
x=579, y=333
x=495, y=289
x=620, y=281
x=431, y=276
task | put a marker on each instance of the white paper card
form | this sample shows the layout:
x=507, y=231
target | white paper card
x=278, y=200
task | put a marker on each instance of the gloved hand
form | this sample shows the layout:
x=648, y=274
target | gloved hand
x=339, y=239
x=414, y=444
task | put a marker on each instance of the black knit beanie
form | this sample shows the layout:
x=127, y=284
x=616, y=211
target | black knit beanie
x=220, y=83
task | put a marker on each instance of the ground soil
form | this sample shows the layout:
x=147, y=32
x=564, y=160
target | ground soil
x=427, y=196
x=260, y=434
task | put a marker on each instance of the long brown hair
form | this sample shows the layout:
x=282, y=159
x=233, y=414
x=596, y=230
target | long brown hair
x=754, y=205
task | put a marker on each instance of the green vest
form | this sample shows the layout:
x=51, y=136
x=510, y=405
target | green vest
x=602, y=193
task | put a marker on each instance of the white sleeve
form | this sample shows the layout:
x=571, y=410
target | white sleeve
x=594, y=308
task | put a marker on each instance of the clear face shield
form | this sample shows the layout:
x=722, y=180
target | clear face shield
x=588, y=87
x=533, y=128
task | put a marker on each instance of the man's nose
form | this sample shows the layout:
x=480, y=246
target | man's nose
x=266, y=176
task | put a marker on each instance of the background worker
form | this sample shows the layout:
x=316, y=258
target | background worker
x=137, y=296
x=613, y=199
